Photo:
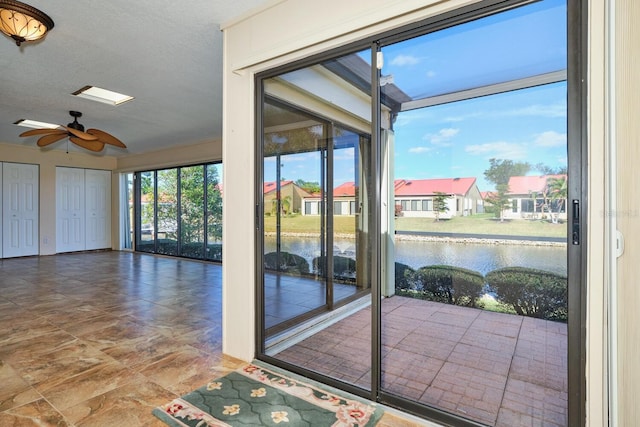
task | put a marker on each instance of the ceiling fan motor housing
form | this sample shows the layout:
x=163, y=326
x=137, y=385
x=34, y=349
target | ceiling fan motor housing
x=75, y=125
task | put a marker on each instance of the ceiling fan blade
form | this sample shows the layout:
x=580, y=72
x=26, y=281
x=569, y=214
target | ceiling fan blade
x=80, y=134
x=50, y=139
x=106, y=137
x=89, y=145
x=43, y=132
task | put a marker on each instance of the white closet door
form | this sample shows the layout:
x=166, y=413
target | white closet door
x=70, y=210
x=98, y=209
x=19, y=210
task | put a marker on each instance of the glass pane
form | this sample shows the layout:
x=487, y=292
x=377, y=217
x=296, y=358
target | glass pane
x=167, y=212
x=129, y=224
x=294, y=245
x=192, y=213
x=147, y=212
x=214, y=212
x=316, y=188
x=479, y=300
x=508, y=52
x=350, y=245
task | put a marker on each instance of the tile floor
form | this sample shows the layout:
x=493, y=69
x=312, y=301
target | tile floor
x=99, y=339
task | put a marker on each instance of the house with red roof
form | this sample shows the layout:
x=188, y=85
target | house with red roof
x=532, y=198
x=291, y=196
x=416, y=196
x=344, y=201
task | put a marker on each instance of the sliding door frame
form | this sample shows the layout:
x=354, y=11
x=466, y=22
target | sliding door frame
x=577, y=171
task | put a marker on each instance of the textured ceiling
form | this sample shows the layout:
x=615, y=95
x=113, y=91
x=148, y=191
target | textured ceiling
x=166, y=54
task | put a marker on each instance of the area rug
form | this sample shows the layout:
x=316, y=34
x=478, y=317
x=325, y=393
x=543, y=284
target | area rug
x=261, y=395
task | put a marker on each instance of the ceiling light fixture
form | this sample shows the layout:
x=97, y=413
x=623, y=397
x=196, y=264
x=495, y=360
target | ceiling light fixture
x=22, y=22
x=34, y=124
x=102, y=95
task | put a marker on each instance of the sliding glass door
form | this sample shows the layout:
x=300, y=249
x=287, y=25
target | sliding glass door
x=316, y=191
x=481, y=158
x=416, y=199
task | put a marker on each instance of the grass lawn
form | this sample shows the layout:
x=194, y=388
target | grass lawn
x=476, y=224
x=484, y=224
x=296, y=223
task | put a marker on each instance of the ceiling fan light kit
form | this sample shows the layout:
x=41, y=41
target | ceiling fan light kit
x=22, y=22
x=92, y=139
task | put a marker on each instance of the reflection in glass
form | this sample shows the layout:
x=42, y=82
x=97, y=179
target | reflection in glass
x=316, y=190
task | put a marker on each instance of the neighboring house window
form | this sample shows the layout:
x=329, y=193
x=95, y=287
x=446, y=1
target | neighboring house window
x=427, y=205
x=307, y=208
x=414, y=205
x=526, y=205
x=405, y=205
x=514, y=205
x=337, y=208
x=457, y=205
x=352, y=208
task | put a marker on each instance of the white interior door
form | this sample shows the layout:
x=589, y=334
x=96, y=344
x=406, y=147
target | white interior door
x=97, y=209
x=20, y=210
x=70, y=210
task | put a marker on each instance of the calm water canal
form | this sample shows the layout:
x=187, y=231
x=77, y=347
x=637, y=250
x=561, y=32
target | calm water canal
x=473, y=256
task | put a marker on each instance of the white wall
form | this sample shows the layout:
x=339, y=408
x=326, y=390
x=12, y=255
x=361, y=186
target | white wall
x=282, y=32
x=626, y=211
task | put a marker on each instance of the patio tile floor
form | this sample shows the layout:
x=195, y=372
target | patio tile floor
x=497, y=369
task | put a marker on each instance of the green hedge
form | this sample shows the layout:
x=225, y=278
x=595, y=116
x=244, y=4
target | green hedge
x=531, y=292
x=288, y=263
x=404, y=275
x=190, y=250
x=448, y=284
x=344, y=268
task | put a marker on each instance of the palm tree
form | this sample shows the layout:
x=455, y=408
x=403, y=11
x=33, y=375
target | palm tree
x=286, y=204
x=557, y=190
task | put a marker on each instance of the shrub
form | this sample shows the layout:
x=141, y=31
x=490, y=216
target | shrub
x=192, y=250
x=288, y=263
x=344, y=268
x=403, y=276
x=214, y=251
x=534, y=293
x=448, y=284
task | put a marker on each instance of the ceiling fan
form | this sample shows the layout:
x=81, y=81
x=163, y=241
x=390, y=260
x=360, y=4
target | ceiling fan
x=92, y=139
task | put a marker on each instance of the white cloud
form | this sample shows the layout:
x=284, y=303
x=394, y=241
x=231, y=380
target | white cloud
x=344, y=154
x=431, y=74
x=537, y=110
x=443, y=137
x=402, y=60
x=419, y=150
x=551, y=139
x=499, y=149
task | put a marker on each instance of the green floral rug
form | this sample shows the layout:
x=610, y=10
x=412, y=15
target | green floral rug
x=260, y=395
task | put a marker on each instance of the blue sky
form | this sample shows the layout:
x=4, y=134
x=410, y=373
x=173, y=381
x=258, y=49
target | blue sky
x=458, y=139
